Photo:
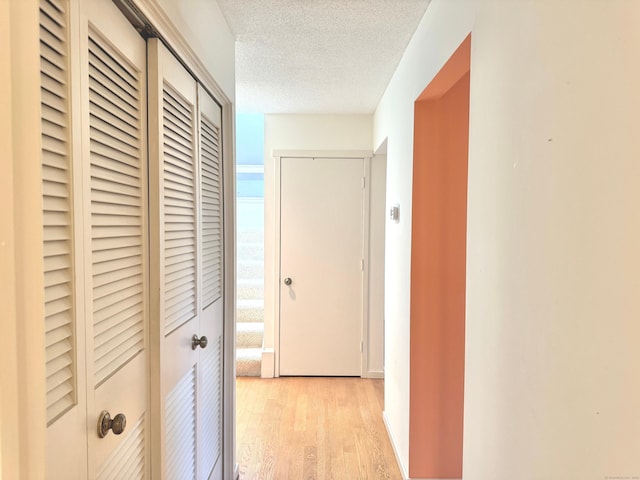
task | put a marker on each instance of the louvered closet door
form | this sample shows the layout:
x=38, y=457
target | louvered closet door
x=113, y=70
x=210, y=421
x=66, y=390
x=173, y=162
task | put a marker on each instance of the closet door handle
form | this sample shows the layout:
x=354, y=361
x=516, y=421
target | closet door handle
x=201, y=342
x=116, y=424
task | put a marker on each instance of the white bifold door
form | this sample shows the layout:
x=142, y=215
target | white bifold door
x=94, y=105
x=133, y=253
x=187, y=248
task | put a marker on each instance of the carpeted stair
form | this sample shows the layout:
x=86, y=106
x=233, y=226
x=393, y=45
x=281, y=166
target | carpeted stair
x=250, y=288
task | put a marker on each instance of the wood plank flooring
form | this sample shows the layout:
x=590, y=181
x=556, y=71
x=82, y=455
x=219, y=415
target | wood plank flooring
x=312, y=428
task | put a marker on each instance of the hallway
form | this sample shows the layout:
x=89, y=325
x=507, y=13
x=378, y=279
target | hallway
x=312, y=428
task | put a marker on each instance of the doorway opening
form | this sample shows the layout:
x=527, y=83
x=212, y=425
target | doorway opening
x=250, y=244
x=438, y=271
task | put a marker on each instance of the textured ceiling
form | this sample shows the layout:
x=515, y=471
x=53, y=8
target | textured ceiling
x=317, y=56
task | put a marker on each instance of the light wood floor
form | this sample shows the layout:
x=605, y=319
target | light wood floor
x=304, y=428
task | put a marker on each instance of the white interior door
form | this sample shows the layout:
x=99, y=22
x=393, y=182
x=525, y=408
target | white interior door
x=321, y=252
x=187, y=271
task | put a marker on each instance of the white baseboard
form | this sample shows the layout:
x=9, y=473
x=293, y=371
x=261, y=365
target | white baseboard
x=375, y=374
x=268, y=363
x=403, y=469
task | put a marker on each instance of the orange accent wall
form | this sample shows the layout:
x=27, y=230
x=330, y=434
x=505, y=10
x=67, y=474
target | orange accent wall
x=438, y=271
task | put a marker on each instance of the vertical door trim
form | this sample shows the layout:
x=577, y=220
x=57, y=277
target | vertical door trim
x=277, y=274
x=366, y=235
x=228, y=159
x=366, y=156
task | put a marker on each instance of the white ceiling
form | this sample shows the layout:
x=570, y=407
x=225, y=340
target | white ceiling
x=317, y=56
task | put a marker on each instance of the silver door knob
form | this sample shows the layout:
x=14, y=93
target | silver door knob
x=288, y=281
x=201, y=342
x=116, y=424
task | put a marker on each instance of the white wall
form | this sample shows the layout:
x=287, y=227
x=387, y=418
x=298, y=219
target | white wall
x=552, y=360
x=317, y=133
x=204, y=27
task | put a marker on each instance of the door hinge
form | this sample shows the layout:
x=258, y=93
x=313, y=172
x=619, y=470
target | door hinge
x=362, y=264
x=361, y=346
x=363, y=182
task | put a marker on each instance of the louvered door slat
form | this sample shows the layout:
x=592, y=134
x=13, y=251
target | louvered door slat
x=116, y=209
x=122, y=134
x=112, y=220
x=124, y=131
x=58, y=321
x=108, y=71
x=54, y=133
x=112, y=176
x=179, y=209
x=51, y=39
x=177, y=190
x=53, y=150
x=105, y=156
x=54, y=9
x=59, y=399
x=211, y=420
x=178, y=130
x=180, y=434
x=53, y=79
x=61, y=377
x=106, y=254
x=112, y=141
x=114, y=305
x=106, y=163
x=180, y=167
x=53, y=161
x=113, y=68
x=104, y=97
x=178, y=109
x=211, y=217
x=58, y=354
x=54, y=115
x=107, y=244
x=108, y=118
x=57, y=211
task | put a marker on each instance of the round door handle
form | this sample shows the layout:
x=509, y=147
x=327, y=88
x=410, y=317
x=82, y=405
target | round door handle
x=288, y=281
x=116, y=424
x=201, y=342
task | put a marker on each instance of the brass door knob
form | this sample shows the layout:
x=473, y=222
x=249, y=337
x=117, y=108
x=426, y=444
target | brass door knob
x=116, y=424
x=201, y=342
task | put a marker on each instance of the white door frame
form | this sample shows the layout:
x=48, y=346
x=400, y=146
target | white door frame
x=366, y=155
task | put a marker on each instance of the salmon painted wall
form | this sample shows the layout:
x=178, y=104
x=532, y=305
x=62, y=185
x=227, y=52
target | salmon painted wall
x=438, y=272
